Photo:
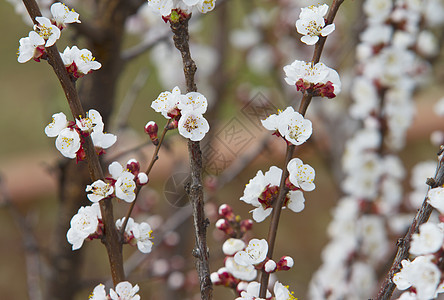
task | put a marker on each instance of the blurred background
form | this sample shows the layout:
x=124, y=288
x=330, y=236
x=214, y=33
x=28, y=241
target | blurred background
x=240, y=72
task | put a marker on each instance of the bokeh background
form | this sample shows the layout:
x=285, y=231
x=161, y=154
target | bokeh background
x=30, y=94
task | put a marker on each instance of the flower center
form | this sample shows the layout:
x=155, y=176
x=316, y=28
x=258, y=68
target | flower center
x=313, y=28
x=268, y=196
x=190, y=124
x=66, y=142
x=294, y=132
x=86, y=58
x=45, y=32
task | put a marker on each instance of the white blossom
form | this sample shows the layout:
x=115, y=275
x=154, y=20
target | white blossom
x=47, y=31
x=93, y=123
x=281, y=292
x=270, y=266
x=428, y=241
x=68, y=142
x=193, y=126
x=378, y=10
x=313, y=74
x=79, y=61
x=252, y=292
x=164, y=7
x=241, y=272
x=83, y=224
x=125, y=185
x=143, y=237
x=125, y=291
x=99, y=293
x=138, y=233
x=255, y=253
x=422, y=274
x=29, y=47
x=231, y=246
x=311, y=24
x=290, y=124
x=62, y=15
x=100, y=190
x=59, y=122
x=301, y=175
x=256, y=186
x=436, y=198
x=167, y=102
x=193, y=102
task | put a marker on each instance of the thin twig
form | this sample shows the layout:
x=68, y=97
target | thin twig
x=154, y=158
x=111, y=238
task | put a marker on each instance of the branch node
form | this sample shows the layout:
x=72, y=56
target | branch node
x=431, y=182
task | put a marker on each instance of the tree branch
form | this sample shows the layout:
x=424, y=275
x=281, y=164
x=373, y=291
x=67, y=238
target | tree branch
x=283, y=190
x=195, y=189
x=421, y=217
x=111, y=237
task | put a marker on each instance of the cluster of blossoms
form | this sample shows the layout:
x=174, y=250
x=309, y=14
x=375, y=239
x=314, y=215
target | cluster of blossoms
x=70, y=135
x=242, y=261
x=262, y=190
x=166, y=7
x=47, y=32
x=186, y=112
x=313, y=79
x=388, y=72
x=124, y=291
x=241, y=264
x=121, y=184
x=87, y=223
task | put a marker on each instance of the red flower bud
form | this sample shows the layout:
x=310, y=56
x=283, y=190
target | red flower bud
x=246, y=225
x=227, y=212
x=285, y=263
x=151, y=129
x=133, y=166
x=173, y=124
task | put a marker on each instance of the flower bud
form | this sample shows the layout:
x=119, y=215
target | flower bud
x=285, y=263
x=224, y=226
x=270, y=266
x=142, y=178
x=227, y=212
x=173, y=124
x=151, y=129
x=133, y=166
x=246, y=225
